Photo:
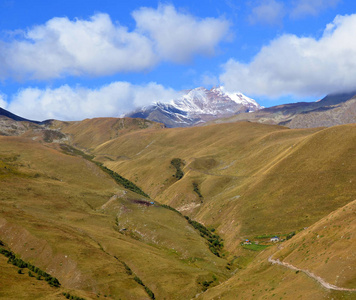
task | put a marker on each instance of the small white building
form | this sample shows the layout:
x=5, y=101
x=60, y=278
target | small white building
x=274, y=239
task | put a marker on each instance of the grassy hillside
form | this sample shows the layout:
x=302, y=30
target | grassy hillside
x=254, y=179
x=92, y=132
x=65, y=215
x=327, y=249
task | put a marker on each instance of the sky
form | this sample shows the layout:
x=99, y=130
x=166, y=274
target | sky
x=71, y=60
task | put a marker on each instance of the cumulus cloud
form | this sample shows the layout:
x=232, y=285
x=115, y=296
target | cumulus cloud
x=98, y=46
x=303, y=8
x=64, y=47
x=269, y=12
x=68, y=103
x=178, y=36
x=292, y=65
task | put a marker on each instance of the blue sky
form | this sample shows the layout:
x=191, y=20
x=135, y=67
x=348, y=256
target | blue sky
x=76, y=59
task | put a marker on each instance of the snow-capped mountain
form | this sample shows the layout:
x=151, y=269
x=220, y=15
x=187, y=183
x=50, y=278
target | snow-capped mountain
x=196, y=106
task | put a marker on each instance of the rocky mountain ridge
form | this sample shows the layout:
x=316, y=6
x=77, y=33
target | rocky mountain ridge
x=334, y=109
x=197, y=106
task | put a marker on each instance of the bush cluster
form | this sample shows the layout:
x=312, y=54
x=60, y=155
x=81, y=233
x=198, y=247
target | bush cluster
x=123, y=181
x=170, y=208
x=18, y=262
x=71, y=297
x=127, y=268
x=206, y=284
x=196, y=190
x=216, y=243
x=290, y=235
x=148, y=291
x=177, y=163
x=74, y=151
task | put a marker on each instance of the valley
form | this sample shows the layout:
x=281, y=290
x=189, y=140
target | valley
x=178, y=150
x=205, y=191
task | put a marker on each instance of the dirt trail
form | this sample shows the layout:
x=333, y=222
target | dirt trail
x=311, y=275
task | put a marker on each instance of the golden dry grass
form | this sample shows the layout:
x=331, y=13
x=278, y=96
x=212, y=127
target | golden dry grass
x=255, y=179
x=53, y=214
x=326, y=248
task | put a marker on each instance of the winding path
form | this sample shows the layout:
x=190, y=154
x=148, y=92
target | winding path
x=310, y=274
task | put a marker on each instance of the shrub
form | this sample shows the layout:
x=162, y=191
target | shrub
x=148, y=291
x=196, y=190
x=177, y=163
x=69, y=296
x=170, y=208
x=215, y=241
x=290, y=235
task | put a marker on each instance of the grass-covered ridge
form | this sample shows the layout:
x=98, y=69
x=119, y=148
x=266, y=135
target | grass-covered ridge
x=118, y=178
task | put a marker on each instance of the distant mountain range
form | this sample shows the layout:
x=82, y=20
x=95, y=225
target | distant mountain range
x=200, y=106
x=335, y=109
x=197, y=106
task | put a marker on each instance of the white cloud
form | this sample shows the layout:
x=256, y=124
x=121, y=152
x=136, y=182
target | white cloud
x=269, y=12
x=304, y=8
x=292, y=65
x=67, y=103
x=98, y=46
x=178, y=36
x=63, y=47
x=208, y=79
x=3, y=103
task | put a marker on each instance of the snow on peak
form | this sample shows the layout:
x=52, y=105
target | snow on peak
x=199, y=105
x=214, y=102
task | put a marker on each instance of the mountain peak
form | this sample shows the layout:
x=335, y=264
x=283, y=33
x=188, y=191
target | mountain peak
x=196, y=106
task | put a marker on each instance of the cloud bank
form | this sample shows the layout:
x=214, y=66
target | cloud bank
x=68, y=104
x=300, y=66
x=98, y=46
x=178, y=36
